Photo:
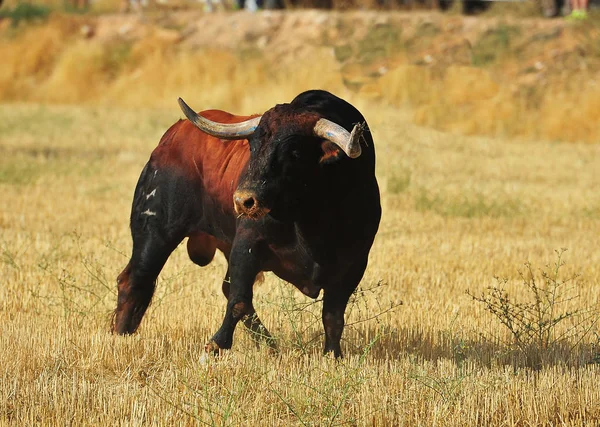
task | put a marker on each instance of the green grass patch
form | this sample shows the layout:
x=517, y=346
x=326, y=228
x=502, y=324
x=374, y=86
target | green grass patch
x=37, y=121
x=592, y=212
x=23, y=169
x=18, y=173
x=422, y=37
x=26, y=12
x=466, y=206
x=399, y=182
x=588, y=33
x=115, y=57
x=381, y=41
x=343, y=52
x=493, y=43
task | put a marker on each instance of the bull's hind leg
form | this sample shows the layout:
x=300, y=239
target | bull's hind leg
x=335, y=300
x=163, y=204
x=137, y=281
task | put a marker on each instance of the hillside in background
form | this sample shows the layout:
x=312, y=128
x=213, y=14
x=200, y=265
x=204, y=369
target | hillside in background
x=499, y=76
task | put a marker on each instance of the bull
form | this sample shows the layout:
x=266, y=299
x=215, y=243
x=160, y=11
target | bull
x=292, y=191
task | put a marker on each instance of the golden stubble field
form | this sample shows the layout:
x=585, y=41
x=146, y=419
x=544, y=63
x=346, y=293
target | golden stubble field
x=460, y=214
x=458, y=211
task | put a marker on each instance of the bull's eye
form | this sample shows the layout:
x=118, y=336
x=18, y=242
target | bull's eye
x=295, y=154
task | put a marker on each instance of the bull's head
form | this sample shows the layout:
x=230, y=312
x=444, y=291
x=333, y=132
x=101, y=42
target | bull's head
x=287, y=148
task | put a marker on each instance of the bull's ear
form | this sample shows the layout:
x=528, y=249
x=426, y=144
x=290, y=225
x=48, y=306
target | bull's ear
x=331, y=153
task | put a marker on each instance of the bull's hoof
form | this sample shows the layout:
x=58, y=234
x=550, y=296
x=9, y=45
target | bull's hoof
x=212, y=347
x=122, y=327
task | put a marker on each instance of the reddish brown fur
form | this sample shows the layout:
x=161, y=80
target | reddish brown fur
x=125, y=304
x=330, y=151
x=131, y=306
x=218, y=162
x=276, y=119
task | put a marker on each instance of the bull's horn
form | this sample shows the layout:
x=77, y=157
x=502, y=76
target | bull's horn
x=220, y=130
x=347, y=141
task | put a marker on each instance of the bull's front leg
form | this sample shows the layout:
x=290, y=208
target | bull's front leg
x=244, y=265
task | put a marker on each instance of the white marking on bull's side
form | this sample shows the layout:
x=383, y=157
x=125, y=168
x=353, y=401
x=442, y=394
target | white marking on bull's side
x=152, y=194
x=149, y=212
x=155, y=172
x=196, y=166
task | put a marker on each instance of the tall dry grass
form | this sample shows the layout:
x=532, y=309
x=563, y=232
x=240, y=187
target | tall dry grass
x=148, y=73
x=531, y=81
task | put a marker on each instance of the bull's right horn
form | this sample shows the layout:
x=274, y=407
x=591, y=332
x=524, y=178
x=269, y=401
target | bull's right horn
x=349, y=142
x=220, y=130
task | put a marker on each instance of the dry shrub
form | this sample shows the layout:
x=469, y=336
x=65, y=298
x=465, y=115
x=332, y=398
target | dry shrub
x=106, y=6
x=283, y=84
x=469, y=100
x=548, y=322
x=29, y=58
x=465, y=85
x=207, y=78
x=463, y=99
x=572, y=117
x=77, y=76
x=216, y=79
x=408, y=84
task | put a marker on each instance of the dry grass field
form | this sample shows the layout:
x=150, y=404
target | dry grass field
x=457, y=212
x=461, y=214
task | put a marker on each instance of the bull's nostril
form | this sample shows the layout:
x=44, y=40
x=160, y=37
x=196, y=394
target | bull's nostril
x=249, y=203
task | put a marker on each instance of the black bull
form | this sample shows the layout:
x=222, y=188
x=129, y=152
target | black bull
x=292, y=191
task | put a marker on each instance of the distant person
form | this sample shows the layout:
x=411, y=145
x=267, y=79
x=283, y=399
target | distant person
x=475, y=7
x=242, y=4
x=133, y=5
x=552, y=8
x=253, y=5
x=469, y=7
x=274, y=4
x=212, y=5
x=578, y=10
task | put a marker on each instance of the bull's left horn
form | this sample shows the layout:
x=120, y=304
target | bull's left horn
x=220, y=130
x=347, y=141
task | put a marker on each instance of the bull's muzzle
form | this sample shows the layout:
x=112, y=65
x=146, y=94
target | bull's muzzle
x=247, y=204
